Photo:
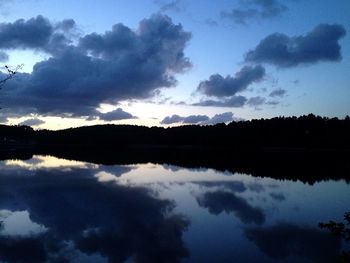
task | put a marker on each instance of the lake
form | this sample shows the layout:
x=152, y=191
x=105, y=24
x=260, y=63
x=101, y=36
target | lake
x=57, y=210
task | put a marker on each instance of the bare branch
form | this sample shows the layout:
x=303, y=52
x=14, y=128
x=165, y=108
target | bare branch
x=10, y=74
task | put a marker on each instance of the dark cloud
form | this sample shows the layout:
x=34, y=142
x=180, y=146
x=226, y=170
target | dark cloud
x=66, y=25
x=221, y=201
x=256, y=101
x=195, y=119
x=220, y=118
x=271, y=8
x=120, y=64
x=33, y=33
x=157, y=42
x=219, y=86
x=172, y=119
x=283, y=241
x=36, y=33
x=255, y=9
x=321, y=44
x=165, y=6
x=272, y=102
x=234, y=101
x=240, y=16
x=278, y=93
x=192, y=119
x=32, y=122
x=199, y=119
x=115, y=115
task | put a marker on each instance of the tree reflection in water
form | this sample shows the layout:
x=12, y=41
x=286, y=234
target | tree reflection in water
x=69, y=211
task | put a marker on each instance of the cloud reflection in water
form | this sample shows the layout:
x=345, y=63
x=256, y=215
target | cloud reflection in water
x=83, y=216
x=135, y=213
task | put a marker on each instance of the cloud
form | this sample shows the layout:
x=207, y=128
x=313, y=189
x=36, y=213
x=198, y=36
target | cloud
x=283, y=240
x=192, y=119
x=321, y=44
x=32, y=122
x=240, y=16
x=234, y=101
x=256, y=101
x=219, y=86
x=278, y=93
x=221, y=201
x=234, y=186
x=165, y=6
x=117, y=65
x=157, y=40
x=35, y=33
x=199, y=119
x=115, y=115
x=254, y=10
x=220, y=118
x=172, y=119
x=66, y=25
x=272, y=102
x=142, y=226
x=195, y=119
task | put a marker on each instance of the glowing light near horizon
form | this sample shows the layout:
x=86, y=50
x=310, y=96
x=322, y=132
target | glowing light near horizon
x=40, y=161
x=159, y=174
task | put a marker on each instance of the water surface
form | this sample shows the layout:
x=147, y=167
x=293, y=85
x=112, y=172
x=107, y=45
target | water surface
x=56, y=210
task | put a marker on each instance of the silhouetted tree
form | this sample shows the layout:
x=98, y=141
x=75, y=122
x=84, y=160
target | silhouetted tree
x=341, y=230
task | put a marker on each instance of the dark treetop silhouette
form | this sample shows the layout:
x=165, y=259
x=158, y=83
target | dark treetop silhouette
x=342, y=231
x=279, y=147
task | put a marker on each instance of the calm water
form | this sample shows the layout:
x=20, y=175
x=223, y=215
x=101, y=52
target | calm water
x=54, y=210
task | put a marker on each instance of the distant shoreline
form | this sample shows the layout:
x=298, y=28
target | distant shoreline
x=304, y=165
x=308, y=148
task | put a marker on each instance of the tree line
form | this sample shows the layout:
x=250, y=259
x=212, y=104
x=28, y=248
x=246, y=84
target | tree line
x=308, y=148
x=305, y=132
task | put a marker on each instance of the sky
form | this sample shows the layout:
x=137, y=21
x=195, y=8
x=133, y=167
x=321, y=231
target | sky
x=166, y=63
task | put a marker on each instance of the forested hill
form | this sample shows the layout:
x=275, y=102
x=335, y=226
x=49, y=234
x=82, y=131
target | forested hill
x=310, y=132
x=307, y=148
